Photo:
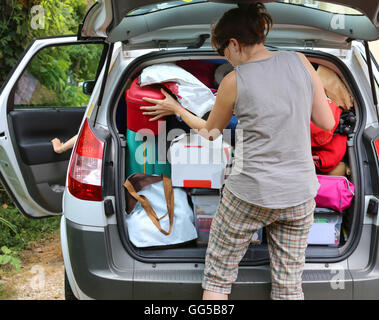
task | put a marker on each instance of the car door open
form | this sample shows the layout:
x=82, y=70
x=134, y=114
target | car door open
x=43, y=99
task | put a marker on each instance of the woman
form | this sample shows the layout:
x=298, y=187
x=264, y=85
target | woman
x=274, y=96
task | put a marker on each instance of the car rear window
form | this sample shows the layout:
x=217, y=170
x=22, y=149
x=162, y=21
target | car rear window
x=162, y=6
x=324, y=6
x=320, y=5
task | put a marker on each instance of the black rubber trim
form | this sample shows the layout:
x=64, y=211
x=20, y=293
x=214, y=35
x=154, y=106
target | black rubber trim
x=343, y=253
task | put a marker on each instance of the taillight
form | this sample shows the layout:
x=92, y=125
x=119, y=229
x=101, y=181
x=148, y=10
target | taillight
x=376, y=144
x=84, y=180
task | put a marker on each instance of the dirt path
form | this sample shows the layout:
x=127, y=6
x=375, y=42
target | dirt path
x=42, y=272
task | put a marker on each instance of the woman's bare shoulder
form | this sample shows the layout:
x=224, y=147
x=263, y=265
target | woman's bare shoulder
x=306, y=62
x=229, y=80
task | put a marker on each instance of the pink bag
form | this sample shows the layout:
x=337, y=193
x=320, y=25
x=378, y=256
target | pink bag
x=335, y=192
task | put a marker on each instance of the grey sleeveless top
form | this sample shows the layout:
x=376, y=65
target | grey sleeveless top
x=273, y=165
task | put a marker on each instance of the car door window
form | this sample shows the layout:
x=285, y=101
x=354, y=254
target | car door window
x=55, y=76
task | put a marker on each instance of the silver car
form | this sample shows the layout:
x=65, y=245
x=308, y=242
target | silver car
x=116, y=40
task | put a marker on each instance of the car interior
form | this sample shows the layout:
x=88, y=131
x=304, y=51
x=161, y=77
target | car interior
x=258, y=252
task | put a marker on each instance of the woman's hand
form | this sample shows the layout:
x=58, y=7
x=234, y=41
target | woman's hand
x=57, y=145
x=165, y=107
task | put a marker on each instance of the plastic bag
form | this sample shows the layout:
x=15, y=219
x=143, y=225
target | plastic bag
x=192, y=94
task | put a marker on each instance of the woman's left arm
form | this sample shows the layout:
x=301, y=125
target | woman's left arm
x=218, y=119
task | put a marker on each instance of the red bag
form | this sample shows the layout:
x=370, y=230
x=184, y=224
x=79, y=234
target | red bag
x=320, y=137
x=202, y=70
x=331, y=154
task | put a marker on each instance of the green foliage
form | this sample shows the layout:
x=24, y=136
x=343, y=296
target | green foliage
x=25, y=229
x=8, y=224
x=19, y=231
x=8, y=257
x=60, y=70
x=4, y=198
x=16, y=32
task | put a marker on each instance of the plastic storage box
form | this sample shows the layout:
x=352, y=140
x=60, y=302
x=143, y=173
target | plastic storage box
x=205, y=204
x=141, y=155
x=326, y=228
x=197, y=162
x=135, y=120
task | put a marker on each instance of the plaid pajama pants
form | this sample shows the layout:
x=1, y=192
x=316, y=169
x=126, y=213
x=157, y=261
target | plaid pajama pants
x=231, y=231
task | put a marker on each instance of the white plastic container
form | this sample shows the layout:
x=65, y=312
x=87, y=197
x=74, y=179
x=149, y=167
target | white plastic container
x=205, y=204
x=197, y=162
x=326, y=229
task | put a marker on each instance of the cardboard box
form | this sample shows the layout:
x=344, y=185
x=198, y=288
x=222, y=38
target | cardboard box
x=326, y=229
x=197, y=162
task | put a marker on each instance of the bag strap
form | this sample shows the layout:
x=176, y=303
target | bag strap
x=348, y=183
x=169, y=196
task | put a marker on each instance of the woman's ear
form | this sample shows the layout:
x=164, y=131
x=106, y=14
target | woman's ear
x=235, y=45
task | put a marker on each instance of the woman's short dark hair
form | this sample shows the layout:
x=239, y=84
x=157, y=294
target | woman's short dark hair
x=248, y=25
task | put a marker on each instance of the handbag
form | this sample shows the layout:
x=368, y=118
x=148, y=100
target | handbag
x=157, y=213
x=335, y=192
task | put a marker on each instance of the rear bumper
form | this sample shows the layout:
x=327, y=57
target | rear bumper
x=99, y=268
x=92, y=272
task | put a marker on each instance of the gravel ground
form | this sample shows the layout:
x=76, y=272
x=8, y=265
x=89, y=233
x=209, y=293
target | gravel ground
x=42, y=273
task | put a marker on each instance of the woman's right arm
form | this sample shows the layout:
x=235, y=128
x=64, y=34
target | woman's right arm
x=322, y=115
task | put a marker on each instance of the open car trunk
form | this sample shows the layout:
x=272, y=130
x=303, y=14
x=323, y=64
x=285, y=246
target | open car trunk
x=257, y=254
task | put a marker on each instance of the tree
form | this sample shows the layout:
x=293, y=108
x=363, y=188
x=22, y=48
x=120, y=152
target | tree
x=16, y=29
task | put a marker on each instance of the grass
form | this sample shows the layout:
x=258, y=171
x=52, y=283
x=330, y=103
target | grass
x=25, y=230
x=18, y=233
x=6, y=291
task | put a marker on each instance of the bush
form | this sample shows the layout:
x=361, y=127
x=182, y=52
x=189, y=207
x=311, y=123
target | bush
x=61, y=17
x=24, y=230
x=8, y=257
x=27, y=229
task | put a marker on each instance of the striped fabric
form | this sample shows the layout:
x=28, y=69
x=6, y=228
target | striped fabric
x=231, y=230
